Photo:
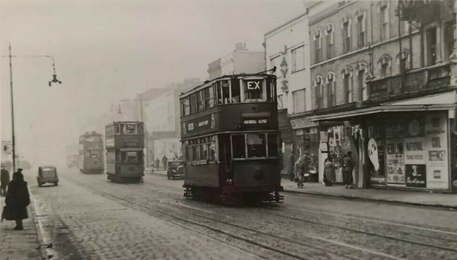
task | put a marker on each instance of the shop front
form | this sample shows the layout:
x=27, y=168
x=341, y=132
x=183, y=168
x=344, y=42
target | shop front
x=399, y=146
x=306, y=136
x=410, y=151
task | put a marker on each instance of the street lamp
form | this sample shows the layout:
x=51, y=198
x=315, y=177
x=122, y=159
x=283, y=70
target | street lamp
x=54, y=80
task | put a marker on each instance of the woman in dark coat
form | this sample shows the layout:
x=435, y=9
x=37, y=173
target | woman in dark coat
x=17, y=199
x=329, y=172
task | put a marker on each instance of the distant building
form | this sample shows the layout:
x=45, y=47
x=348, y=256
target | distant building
x=241, y=60
x=160, y=114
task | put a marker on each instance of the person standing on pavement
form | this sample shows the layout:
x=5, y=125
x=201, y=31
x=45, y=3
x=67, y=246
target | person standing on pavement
x=17, y=199
x=164, y=161
x=291, y=165
x=329, y=172
x=157, y=163
x=4, y=180
x=299, y=171
x=348, y=167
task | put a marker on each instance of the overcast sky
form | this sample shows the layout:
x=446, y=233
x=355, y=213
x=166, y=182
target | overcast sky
x=109, y=50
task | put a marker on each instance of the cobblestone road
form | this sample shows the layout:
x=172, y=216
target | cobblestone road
x=88, y=217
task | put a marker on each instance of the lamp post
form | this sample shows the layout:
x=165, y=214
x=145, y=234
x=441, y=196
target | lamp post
x=54, y=80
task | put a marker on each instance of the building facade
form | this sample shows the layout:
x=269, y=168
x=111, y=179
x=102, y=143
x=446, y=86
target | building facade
x=383, y=89
x=287, y=48
x=161, y=118
x=241, y=60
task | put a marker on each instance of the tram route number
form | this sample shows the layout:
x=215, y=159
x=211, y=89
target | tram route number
x=255, y=121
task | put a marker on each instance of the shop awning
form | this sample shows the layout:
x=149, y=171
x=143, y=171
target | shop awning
x=342, y=116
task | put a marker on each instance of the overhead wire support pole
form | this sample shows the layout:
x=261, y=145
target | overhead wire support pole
x=13, y=141
x=54, y=80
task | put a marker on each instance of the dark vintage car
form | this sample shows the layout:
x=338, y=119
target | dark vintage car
x=47, y=174
x=175, y=170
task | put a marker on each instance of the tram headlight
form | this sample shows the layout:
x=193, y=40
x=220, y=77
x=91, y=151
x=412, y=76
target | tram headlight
x=229, y=181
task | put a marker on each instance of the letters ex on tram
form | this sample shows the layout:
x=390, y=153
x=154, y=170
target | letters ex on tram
x=254, y=85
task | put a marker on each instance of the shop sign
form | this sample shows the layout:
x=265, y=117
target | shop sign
x=415, y=175
x=302, y=123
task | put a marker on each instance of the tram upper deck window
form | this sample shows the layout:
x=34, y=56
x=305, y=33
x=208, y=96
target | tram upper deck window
x=236, y=91
x=239, y=146
x=254, y=90
x=201, y=100
x=185, y=106
x=223, y=92
x=130, y=129
x=256, y=144
x=209, y=97
x=193, y=103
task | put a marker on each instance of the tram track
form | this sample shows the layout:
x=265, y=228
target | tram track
x=181, y=215
x=319, y=249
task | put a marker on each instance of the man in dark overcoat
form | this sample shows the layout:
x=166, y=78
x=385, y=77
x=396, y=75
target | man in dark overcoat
x=17, y=199
x=4, y=180
x=164, y=161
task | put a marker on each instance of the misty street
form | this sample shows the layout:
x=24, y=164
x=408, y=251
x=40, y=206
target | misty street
x=228, y=129
x=88, y=217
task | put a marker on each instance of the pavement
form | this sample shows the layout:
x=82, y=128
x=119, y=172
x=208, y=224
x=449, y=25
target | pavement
x=23, y=244
x=417, y=198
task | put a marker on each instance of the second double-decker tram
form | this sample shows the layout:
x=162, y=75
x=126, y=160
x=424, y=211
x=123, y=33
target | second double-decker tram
x=124, y=151
x=231, y=140
x=90, y=159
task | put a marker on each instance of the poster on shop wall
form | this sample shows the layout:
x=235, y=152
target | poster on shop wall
x=395, y=162
x=415, y=161
x=436, y=146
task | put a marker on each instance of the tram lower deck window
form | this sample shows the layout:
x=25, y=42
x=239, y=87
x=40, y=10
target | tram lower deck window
x=239, y=146
x=256, y=145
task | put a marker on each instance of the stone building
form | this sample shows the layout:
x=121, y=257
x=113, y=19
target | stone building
x=241, y=60
x=383, y=88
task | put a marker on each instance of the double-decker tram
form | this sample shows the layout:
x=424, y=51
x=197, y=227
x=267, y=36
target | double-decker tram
x=231, y=140
x=124, y=151
x=90, y=159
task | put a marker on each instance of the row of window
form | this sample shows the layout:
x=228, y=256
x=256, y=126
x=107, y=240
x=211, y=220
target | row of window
x=124, y=129
x=91, y=153
x=228, y=92
x=201, y=149
x=117, y=156
x=255, y=145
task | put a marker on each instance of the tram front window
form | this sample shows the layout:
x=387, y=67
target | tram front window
x=238, y=146
x=256, y=145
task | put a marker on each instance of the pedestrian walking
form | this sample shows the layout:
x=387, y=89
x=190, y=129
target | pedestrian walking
x=157, y=163
x=348, y=167
x=17, y=199
x=164, y=161
x=291, y=165
x=299, y=172
x=329, y=172
x=4, y=180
